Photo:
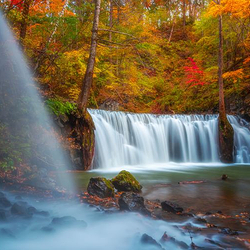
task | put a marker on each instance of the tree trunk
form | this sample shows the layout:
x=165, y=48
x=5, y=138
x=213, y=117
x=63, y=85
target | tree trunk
x=222, y=109
x=23, y=27
x=110, y=19
x=86, y=125
x=226, y=132
x=88, y=78
x=111, y=7
x=184, y=13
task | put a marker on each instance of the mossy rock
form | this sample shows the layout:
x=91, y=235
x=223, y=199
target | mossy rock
x=226, y=140
x=101, y=187
x=125, y=181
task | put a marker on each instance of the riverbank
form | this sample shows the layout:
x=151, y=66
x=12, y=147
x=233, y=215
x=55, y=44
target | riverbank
x=213, y=206
x=215, y=212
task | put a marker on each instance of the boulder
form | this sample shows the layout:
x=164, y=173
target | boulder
x=171, y=207
x=101, y=187
x=148, y=240
x=125, y=181
x=132, y=202
x=224, y=177
x=20, y=210
x=4, y=202
x=179, y=244
x=68, y=221
x=228, y=231
x=2, y=215
x=64, y=222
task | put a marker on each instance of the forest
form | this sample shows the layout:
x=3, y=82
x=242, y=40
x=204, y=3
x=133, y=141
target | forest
x=152, y=56
x=124, y=124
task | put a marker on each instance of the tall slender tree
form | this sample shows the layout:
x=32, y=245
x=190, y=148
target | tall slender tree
x=24, y=21
x=88, y=78
x=226, y=132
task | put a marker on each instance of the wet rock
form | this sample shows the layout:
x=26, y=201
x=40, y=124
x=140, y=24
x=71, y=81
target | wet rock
x=213, y=242
x=21, y=210
x=224, y=177
x=125, y=181
x=179, y=244
x=4, y=202
x=32, y=210
x=228, y=231
x=187, y=215
x=171, y=207
x=101, y=187
x=226, y=139
x=18, y=198
x=148, y=240
x=202, y=220
x=64, y=222
x=194, y=246
x=2, y=215
x=18, y=210
x=2, y=195
x=166, y=238
x=132, y=202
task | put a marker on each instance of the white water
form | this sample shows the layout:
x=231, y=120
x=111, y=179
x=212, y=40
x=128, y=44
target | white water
x=139, y=139
x=22, y=111
x=241, y=139
x=115, y=231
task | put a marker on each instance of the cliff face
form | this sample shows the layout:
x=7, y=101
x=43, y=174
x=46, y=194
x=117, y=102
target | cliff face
x=78, y=138
x=239, y=105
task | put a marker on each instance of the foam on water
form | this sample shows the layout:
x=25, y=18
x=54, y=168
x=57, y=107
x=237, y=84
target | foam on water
x=104, y=231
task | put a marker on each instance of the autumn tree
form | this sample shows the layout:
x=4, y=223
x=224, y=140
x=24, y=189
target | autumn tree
x=88, y=77
x=226, y=132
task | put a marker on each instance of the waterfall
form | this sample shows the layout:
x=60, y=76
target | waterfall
x=26, y=131
x=133, y=139
x=241, y=139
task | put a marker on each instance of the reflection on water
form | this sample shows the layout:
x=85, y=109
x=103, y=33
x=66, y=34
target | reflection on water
x=212, y=195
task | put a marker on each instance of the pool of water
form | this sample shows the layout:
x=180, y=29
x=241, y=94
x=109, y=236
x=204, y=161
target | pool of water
x=162, y=182
x=123, y=231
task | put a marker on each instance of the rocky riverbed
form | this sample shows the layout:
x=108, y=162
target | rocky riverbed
x=125, y=218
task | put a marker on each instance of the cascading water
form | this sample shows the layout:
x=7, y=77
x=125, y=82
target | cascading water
x=25, y=128
x=241, y=139
x=25, y=132
x=131, y=139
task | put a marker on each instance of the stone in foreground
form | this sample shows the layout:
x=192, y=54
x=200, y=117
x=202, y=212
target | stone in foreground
x=125, y=181
x=148, y=240
x=171, y=207
x=101, y=187
x=132, y=202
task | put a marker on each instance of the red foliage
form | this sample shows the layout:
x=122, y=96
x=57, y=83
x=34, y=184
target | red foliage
x=17, y=3
x=195, y=76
